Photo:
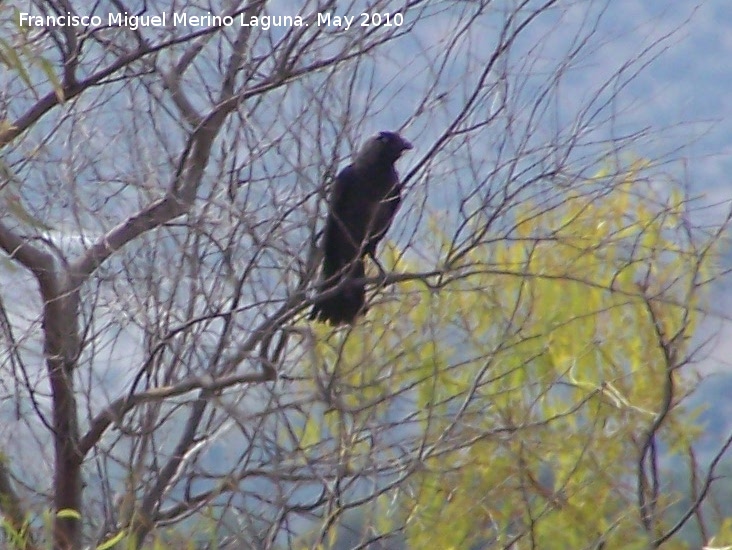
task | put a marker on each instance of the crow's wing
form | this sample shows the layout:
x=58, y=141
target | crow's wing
x=348, y=220
x=384, y=213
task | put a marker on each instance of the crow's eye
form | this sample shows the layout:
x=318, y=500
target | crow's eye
x=383, y=137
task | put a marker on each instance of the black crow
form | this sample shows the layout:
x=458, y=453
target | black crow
x=362, y=204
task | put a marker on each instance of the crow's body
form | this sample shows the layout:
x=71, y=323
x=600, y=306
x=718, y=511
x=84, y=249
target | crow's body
x=362, y=205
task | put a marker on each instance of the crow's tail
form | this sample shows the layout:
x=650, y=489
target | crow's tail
x=349, y=300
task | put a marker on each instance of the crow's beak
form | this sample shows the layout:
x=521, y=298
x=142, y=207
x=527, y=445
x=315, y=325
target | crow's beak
x=406, y=145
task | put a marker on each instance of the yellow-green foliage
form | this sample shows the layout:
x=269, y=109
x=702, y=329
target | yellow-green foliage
x=534, y=373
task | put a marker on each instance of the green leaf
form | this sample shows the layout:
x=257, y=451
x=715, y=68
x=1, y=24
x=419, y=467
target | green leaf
x=68, y=513
x=112, y=542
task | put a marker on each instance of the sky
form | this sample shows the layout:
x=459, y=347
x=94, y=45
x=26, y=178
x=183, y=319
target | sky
x=687, y=89
x=690, y=82
x=690, y=85
x=693, y=81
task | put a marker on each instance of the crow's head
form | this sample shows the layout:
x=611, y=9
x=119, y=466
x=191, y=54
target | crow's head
x=383, y=148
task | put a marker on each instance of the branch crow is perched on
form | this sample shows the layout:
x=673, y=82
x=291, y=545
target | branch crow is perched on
x=362, y=204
